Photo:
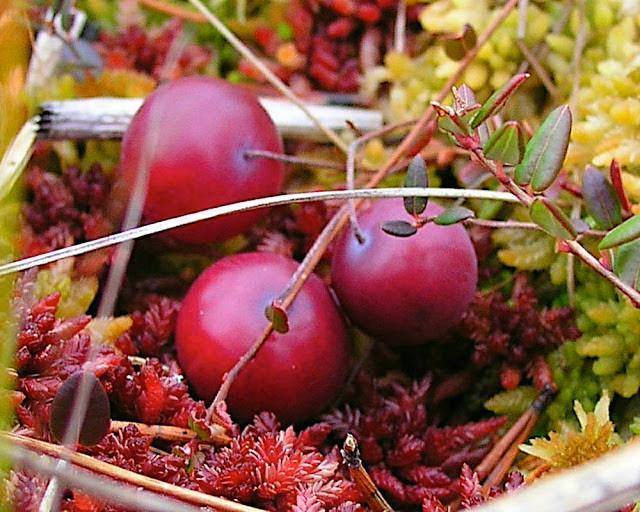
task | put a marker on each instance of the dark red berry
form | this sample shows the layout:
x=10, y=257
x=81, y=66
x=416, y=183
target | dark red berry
x=295, y=374
x=196, y=131
x=404, y=290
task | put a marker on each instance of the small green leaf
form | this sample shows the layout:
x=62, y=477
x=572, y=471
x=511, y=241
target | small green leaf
x=203, y=433
x=278, y=317
x=552, y=219
x=453, y=215
x=545, y=151
x=600, y=199
x=416, y=178
x=506, y=144
x=458, y=46
x=626, y=264
x=497, y=100
x=399, y=228
x=285, y=32
x=626, y=232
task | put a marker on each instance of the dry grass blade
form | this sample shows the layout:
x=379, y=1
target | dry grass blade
x=129, y=477
x=252, y=204
x=107, y=489
x=266, y=72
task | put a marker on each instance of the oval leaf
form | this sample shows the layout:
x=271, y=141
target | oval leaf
x=416, y=178
x=626, y=264
x=600, y=199
x=545, y=151
x=278, y=317
x=498, y=100
x=400, y=228
x=453, y=215
x=97, y=420
x=626, y=232
x=506, y=144
x=552, y=219
x=457, y=47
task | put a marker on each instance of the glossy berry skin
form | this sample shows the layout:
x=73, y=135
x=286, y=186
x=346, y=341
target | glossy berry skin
x=295, y=374
x=405, y=291
x=198, y=129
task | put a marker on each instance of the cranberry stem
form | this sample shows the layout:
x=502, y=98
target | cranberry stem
x=334, y=226
x=573, y=245
x=291, y=159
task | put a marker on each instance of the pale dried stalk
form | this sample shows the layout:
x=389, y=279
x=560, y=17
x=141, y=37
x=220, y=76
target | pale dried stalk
x=243, y=206
x=174, y=11
x=243, y=50
x=108, y=299
x=112, y=491
x=129, y=477
x=580, y=43
x=108, y=118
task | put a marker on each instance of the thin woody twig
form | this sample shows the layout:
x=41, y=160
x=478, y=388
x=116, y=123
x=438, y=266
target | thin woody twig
x=243, y=50
x=129, y=477
x=175, y=11
x=515, y=224
x=351, y=457
x=517, y=435
x=337, y=222
x=173, y=434
x=587, y=258
x=533, y=61
x=112, y=491
x=295, y=160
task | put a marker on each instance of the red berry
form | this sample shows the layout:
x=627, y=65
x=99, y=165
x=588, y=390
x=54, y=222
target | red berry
x=196, y=130
x=405, y=291
x=295, y=374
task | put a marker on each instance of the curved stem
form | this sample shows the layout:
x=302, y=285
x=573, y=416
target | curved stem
x=243, y=206
x=129, y=477
x=291, y=159
x=243, y=50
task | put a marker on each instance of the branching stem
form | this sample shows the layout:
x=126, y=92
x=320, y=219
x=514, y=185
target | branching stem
x=334, y=226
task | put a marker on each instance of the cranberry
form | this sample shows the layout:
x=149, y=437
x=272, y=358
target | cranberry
x=295, y=374
x=197, y=130
x=405, y=291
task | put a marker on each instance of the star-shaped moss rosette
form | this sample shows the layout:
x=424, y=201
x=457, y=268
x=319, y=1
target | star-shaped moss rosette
x=566, y=449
